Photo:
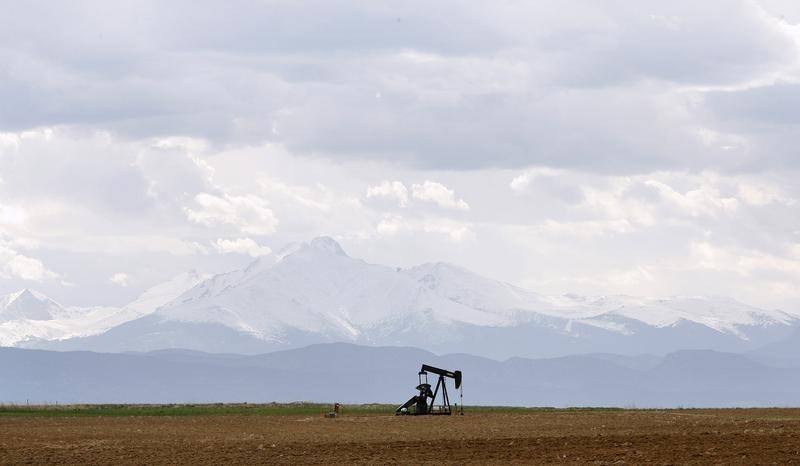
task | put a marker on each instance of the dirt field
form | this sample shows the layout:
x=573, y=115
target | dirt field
x=561, y=436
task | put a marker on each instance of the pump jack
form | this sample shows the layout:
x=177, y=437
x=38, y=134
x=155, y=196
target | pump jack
x=418, y=404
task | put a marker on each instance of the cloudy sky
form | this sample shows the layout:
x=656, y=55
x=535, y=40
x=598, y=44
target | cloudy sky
x=597, y=147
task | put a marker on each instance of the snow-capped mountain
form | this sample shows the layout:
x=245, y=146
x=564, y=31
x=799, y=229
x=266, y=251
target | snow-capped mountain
x=29, y=316
x=314, y=292
x=719, y=313
x=28, y=305
x=318, y=288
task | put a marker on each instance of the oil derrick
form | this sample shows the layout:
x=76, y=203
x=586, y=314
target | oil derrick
x=425, y=401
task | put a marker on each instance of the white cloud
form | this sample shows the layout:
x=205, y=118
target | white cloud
x=705, y=255
x=455, y=230
x=173, y=175
x=16, y=265
x=126, y=245
x=120, y=279
x=12, y=215
x=439, y=194
x=585, y=229
x=181, y=143
x=242, y=246
x=249, y=213
x=761, y=195
x=317, y=197
x=394, y=190
x=702, y=200
x=612, y=208
x=634, y=277
x=522, y=182
x=391, y=225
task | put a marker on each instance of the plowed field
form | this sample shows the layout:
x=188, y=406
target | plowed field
x=559, y=436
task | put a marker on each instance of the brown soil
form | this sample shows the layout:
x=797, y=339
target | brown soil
x=681, y=436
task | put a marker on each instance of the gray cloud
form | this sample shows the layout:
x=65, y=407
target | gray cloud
x=711, y=42
x=578, y=84
x=776, y=104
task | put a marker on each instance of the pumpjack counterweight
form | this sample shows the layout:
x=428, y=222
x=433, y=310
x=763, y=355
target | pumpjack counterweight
x=425, y=401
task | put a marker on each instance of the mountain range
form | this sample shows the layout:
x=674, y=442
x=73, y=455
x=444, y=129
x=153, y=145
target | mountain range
x=346, y=373
x=309, y=293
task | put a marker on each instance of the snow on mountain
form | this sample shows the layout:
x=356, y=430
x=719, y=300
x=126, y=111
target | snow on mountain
x=318, y=288
x=314, y=292
x=29, y=315
x=472, y=290
x=163, y=293
x=719, y=313
x=27, y=304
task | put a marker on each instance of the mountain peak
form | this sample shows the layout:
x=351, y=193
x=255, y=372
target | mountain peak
x=328, y=244
x=27, y=294
x=27, y=304
x=24, y=293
